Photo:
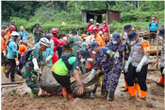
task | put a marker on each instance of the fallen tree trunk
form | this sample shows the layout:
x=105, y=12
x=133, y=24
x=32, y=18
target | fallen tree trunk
x=49, y=84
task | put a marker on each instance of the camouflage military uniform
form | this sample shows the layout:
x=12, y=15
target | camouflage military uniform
x=29, y=73
x=115, y=66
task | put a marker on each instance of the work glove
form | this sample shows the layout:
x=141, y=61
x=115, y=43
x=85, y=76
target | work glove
x=139, y=68
x=36, y=68
x=90, y=76
x=4, y=53
x=17, y=63
x=117, y=55
x=163, y=71
x=127, y=64
x=142, y=62
x=82, y=60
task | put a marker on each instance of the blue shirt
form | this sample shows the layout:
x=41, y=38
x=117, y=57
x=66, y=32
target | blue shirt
x=24, y=35
x=12, y=49
x=45, y=54
x=153, y=27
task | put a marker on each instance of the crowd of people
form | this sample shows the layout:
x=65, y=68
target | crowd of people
x=95, y=51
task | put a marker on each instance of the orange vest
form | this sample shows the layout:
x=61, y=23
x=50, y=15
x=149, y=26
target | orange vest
x=3, y=44
x=100, y=40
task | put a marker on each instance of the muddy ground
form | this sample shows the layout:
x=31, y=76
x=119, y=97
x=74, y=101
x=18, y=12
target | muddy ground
x=16, y=98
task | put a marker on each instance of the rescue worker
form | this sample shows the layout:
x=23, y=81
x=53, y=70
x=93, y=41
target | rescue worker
x=100, y=39
x=48, y=53
x=10, y=30
x=74, y=41
x=115, y=65
x=13, y=23
x=84, y=44
x=3, y=46
x=22, y=49
x=102, y=62
x=126, y=31
x=23, y=34
x=152, y=29
x=37, y=32
x=105, y=29
x=127, y=51
x=90, y=27
x=12, y=55
x=56, y=42
x=31, y=69
x=137, y=65
x=98, y=28
x=162, y=60
x=61, y=72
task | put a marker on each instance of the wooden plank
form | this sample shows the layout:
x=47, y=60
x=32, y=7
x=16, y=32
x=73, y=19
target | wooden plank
x=8, y=83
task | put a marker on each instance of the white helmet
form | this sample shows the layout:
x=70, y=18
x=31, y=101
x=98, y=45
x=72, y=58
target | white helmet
x=15, y=34
x=44, y=41
x=91, y=20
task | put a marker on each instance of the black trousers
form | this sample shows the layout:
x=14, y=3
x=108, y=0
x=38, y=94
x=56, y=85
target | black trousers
x=11, y=70
x=141, y=76
x=64, y=81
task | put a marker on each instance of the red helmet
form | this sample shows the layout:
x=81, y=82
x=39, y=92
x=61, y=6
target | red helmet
x=55, y=31
x=153, y=18
x=3, y=32
x=12, y=28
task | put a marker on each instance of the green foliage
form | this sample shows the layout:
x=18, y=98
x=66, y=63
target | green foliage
x=51, y=14
x=140, y=16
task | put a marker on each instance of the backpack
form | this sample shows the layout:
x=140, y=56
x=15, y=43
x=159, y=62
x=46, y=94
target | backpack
x=151, y=24
x=25, y=57
x=65, y=58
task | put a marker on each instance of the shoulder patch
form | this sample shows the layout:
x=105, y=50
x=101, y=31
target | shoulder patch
x=145, y=46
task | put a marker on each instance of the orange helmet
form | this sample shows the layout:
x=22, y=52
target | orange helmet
x=55, y=30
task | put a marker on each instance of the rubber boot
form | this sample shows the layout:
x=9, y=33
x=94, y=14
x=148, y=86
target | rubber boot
x=110, y=96
x=143, y=95
x=103, y=91
x=161, y=82
x=70, y=96
x=131, y=92
x=64, y=92
x=137, y=88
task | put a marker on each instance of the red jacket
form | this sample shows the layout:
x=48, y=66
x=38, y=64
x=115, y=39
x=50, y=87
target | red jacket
x=90, y=28
x=56, y=42
x=106, y=28
x=98, y=29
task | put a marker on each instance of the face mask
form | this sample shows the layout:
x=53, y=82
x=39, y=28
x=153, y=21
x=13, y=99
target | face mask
x=93, y=52
x=125, y=35
x=132, y=42
x=22, y=29
x=114, y=42
x=82, y=60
